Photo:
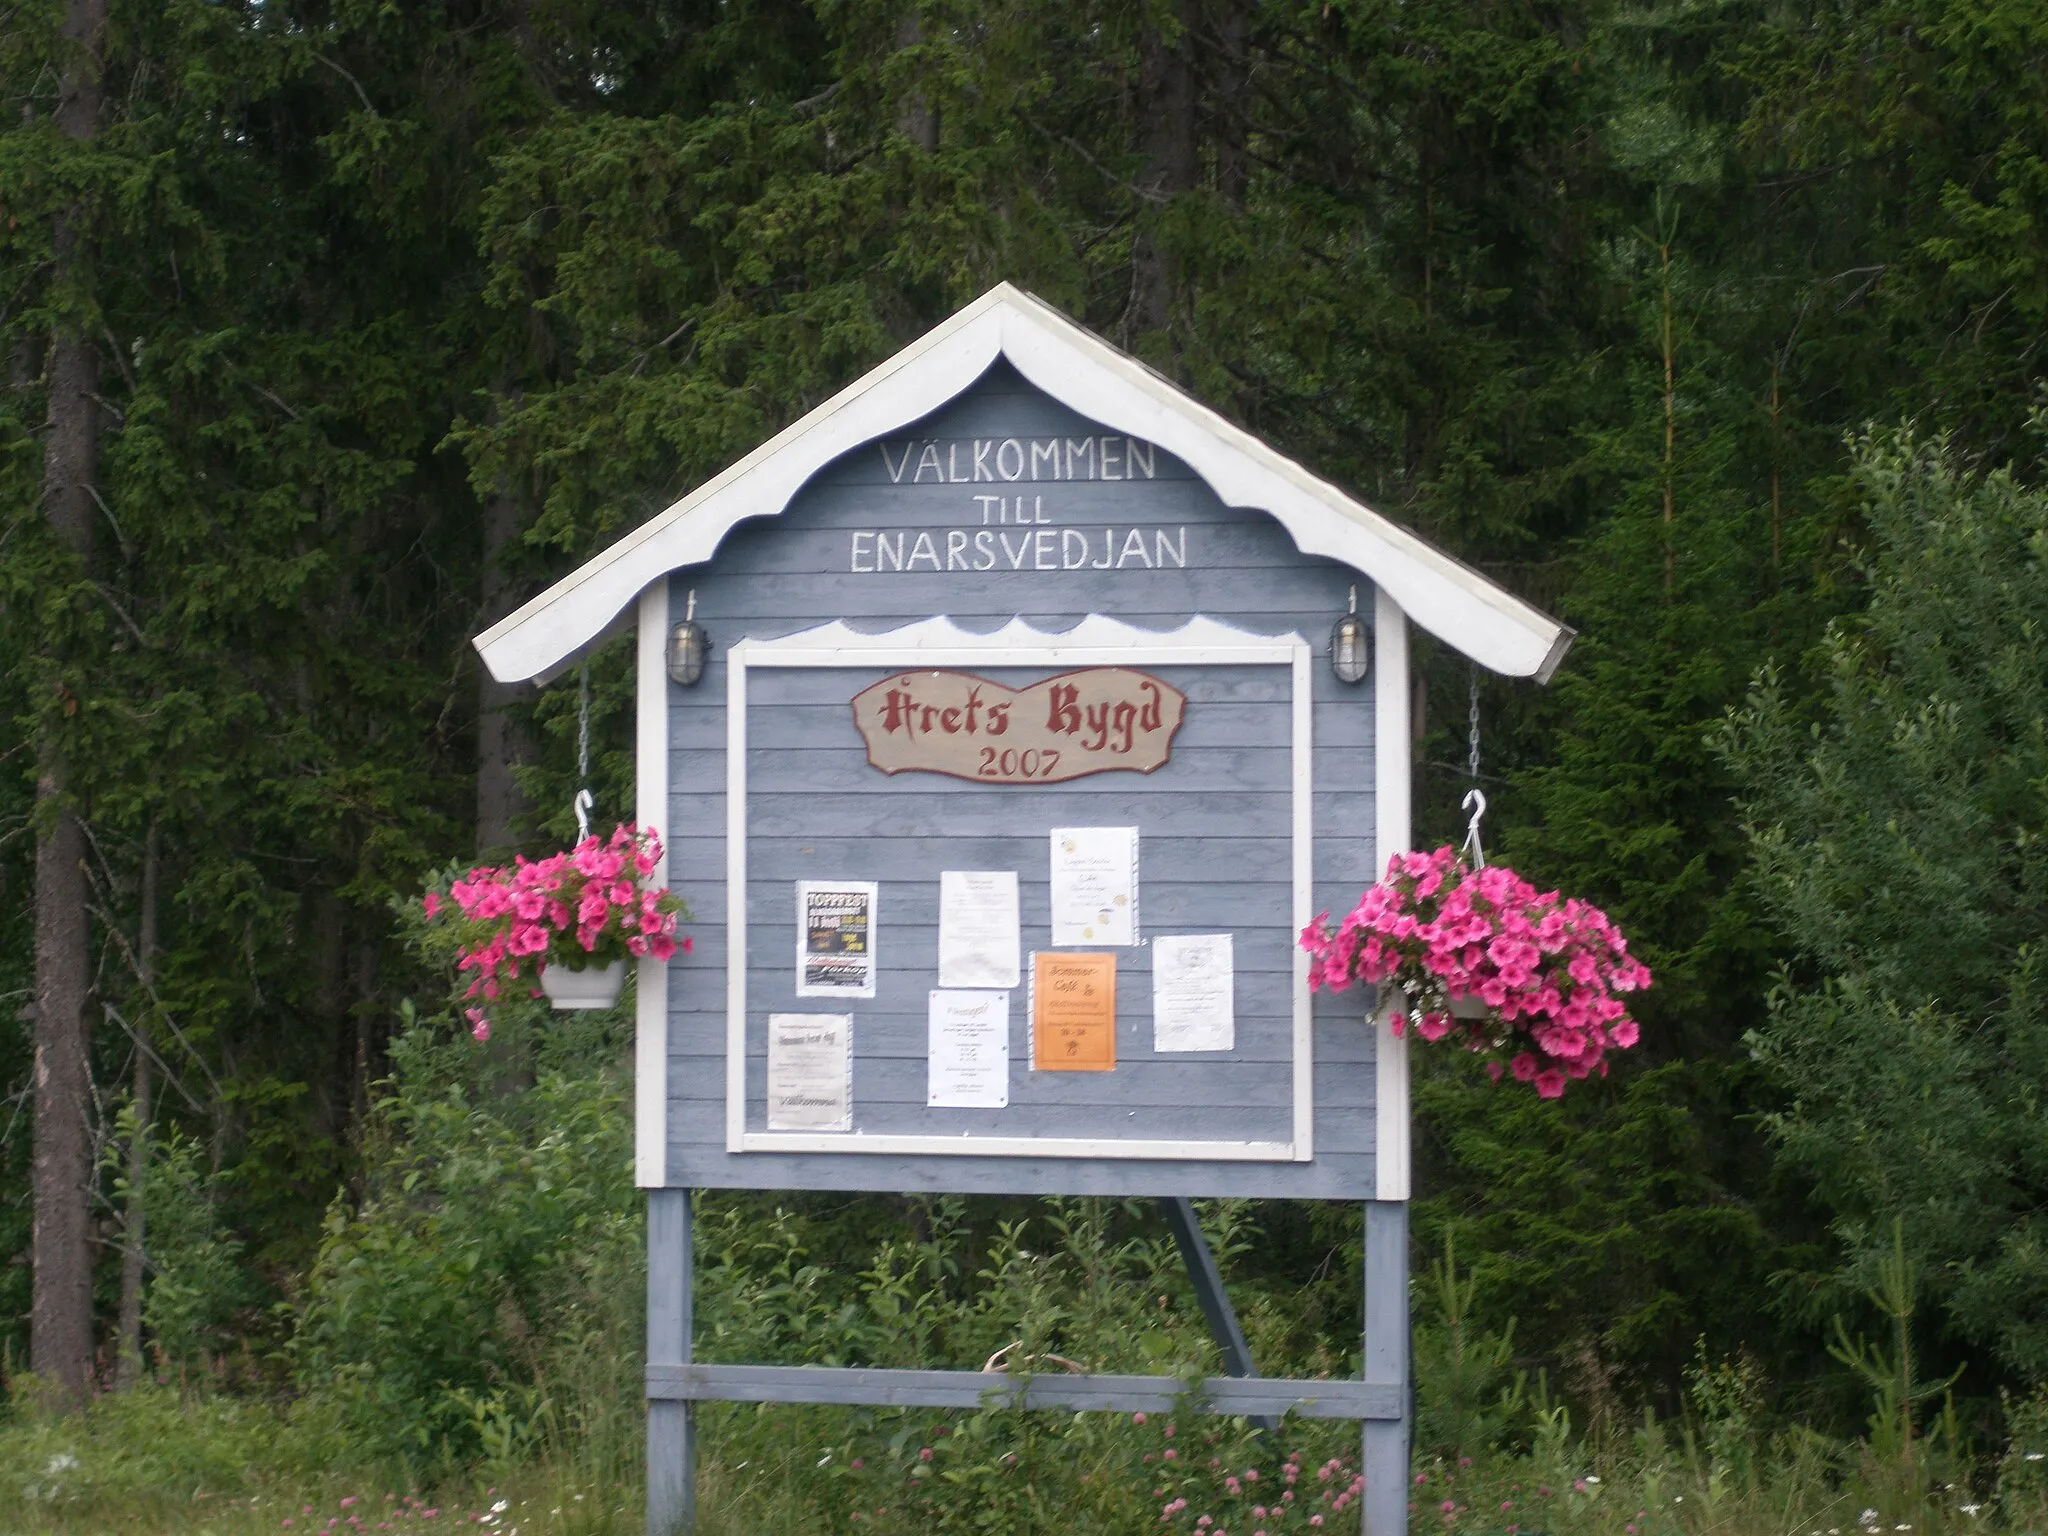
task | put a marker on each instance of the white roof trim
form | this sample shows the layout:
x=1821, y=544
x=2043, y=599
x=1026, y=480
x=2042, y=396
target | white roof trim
x=1078, y=368
x=1098, y=633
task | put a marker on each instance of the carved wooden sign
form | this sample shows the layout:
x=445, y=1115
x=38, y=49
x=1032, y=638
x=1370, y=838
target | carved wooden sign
x=1064, y=727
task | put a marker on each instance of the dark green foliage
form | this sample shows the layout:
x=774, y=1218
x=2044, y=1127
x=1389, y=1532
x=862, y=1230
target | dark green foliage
x=1896, y=832
x=406, y=309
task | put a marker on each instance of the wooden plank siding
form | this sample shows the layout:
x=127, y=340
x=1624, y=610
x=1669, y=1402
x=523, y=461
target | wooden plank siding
x=1215, y=821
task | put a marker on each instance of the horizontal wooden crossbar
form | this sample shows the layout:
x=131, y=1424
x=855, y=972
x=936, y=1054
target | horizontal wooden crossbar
x=1245, y=1396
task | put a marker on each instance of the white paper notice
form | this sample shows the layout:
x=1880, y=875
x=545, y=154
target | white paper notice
x=1095, y=885
x=1193, y=1007
x=970, y=1050
x=810, y=1072
x=978, y=941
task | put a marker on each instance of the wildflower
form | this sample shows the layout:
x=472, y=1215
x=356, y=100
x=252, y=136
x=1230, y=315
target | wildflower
x=1315, y=1519
x=925, y=1453
x=2035, y=1455
x=1171, y=1454
x=1970, y=1509
x=1447, y=1506
x=287, y=1522
x=1506, y=1505
x=1258, y=1511
x=1464, y=1461
x=349, y=1502
x=1579, y=1486
x=1138, y=1418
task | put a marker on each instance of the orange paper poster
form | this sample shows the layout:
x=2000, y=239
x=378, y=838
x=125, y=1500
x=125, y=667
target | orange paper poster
x=1073, y=1013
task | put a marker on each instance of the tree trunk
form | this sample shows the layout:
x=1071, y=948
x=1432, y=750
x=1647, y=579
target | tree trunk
x=1230, y=106
x=503, y=741
x=135, y=1217
x=1166, y=127
x=60, y=1313
x=916, y=118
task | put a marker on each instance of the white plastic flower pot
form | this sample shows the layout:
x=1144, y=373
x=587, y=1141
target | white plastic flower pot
x=598, y=987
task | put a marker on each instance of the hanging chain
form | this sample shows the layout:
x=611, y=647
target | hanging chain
x=1475, y=797
x=1472, y=731
x=584, y=799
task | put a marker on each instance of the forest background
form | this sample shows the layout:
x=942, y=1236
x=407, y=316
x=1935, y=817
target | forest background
x=333, y=331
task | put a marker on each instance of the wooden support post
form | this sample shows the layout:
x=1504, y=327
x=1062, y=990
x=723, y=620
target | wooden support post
x=1385, y=1449
x=671, y=1425
x=1215, y=1301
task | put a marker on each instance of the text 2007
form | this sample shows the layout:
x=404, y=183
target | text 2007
x=1010, y=763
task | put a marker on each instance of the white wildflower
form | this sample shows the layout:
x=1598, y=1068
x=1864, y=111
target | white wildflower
x=1971, y=1509
x=1591, y=1478
x=2036, y=1455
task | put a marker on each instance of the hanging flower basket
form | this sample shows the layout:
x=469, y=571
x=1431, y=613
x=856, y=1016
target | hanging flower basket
x=1528, y=979
x=572, y=921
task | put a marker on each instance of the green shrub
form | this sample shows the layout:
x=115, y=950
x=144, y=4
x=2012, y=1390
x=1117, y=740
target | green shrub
x=499, y=1234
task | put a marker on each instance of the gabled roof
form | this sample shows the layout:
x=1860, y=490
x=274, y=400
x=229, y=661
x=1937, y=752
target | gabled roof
x=1078, y=368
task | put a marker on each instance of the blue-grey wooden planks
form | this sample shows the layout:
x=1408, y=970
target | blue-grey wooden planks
x=1154, y=551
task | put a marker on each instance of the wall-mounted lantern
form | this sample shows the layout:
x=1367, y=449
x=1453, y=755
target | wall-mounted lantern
x=1350, y=646
x=687, y=646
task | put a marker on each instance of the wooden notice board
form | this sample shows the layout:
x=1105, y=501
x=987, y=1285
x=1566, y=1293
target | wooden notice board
x=1152, y=658
x=990, y=716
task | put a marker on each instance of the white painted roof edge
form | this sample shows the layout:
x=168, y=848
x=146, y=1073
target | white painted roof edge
x=1459, y=606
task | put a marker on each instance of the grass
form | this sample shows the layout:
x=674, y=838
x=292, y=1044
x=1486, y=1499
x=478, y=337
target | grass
x=157, y=1461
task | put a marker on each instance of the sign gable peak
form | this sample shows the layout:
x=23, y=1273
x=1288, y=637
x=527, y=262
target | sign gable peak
x=1082, y=371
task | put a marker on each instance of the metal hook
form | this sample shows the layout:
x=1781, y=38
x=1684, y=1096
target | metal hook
x=1475, y=802
x=584, y=801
